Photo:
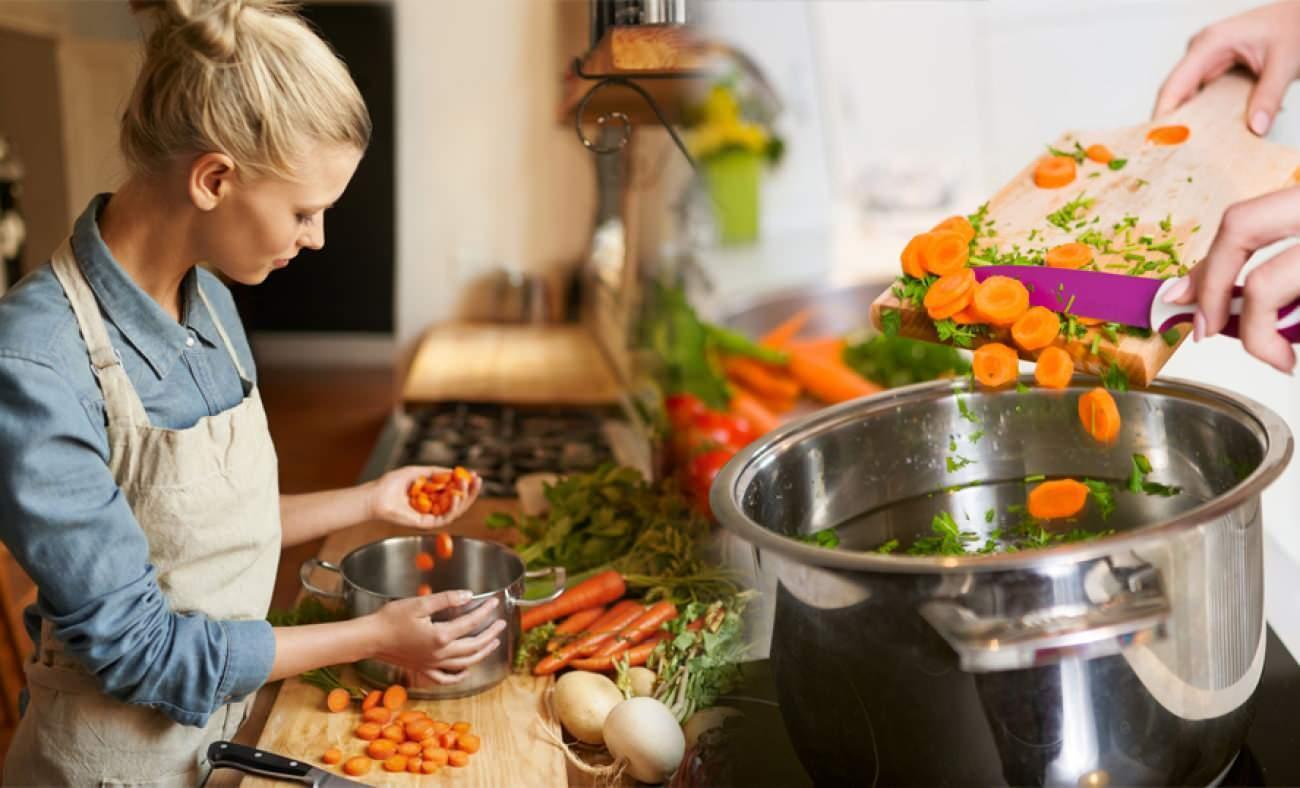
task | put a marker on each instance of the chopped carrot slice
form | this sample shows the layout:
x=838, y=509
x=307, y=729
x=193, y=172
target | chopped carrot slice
x=1054, y=368
x=376, y=714
x=967, y=316
x=458, y=758
x=995, y=364
x=429, y=767
x=1168, y=135
x=394, y=697
x=949, y=288
x=423, y=561
x=372, y=700
x=944, y=252
x=435, y=755
x=1057, y=499
x=948, y=310
x=1036, y=328
x=1053, y=172
x=379, y=749
x=395, y=733
x=396, y=763
x=332, y=756
x=469, y=743
x=957, y=224
x=409, y=748
x=1070, y=255
x=338, y=699
x=461, y=726
x=1001, y=300
x=1099, y=415
x=357, y=766
x=911, y=256
x=1099, y=153
x=369, y=731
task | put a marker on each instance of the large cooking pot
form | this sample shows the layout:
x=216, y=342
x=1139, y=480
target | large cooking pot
x=373, y=575
x=1128, y=660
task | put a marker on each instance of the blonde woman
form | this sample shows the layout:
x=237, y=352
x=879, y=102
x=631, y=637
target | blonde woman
x=138, y=482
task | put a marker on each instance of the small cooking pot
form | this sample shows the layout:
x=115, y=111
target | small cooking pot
x=380, y=572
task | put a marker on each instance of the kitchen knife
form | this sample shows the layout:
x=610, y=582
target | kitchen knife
x=228, y=755
x=1117, y=298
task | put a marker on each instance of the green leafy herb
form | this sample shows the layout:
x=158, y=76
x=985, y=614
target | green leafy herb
x=975, y=436
x=909, y=288
x=1070, y=213
x=693, y=668
x=1137, y=480
x=1094, y=175
x=1037, y=477
x=1171, y=336
x=946, y=538
x=532, y=647
x=1114, y=378
x=1078, y=154
x=1096, y=344
x=1167, y=223
x=989, y=515
x=1142, y=182
x=682, y=341
x=962, y=336
x=957, y=462
x=1117, y=164
x=888, y=547
x=826, y=537
x=737, y=344
x=1102, y=495
x=890, y=321
x=1021, y=388
x=328, y=679
x=966, y=412
x=899, y=361
x=978, y=220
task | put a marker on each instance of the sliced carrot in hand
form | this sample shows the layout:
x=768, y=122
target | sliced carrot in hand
x=1057, y=499
x=1053, y=172
x=1071, y=255
x=911, y=256
x=1000, y=300
x=995, y=364
x=944, y=252
x=338, y=700
x=1036, y=328
x=1099, y=153
x=1099, y=415
x=1054, y=369
x=957, y=224
x=1168, y=135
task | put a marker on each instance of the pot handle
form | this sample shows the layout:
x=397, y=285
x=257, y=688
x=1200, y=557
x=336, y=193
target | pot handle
x=560, y=576
x=304, y=572
x=986, y=644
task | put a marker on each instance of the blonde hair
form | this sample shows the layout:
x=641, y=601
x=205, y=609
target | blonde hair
x=247, y=78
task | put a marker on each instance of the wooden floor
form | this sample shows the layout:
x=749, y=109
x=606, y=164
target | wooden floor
x=324, y=423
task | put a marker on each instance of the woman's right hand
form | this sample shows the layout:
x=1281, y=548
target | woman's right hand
x=405, y=635
x=1266, y=40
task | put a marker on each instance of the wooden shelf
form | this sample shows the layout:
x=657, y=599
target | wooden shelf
x=670, y=60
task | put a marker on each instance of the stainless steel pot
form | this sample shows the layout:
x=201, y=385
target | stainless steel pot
x=373, y=575
x=1129, y=660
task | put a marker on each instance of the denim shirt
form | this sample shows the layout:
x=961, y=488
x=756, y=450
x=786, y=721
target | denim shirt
x=62, y=514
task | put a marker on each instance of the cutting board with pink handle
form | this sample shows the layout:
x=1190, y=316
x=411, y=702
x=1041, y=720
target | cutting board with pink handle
x=1176, y=193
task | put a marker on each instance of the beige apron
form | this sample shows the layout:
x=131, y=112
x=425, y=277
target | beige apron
x=207, y=498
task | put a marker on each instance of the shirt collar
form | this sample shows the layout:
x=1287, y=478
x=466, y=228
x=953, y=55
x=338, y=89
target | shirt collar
x=144, y=324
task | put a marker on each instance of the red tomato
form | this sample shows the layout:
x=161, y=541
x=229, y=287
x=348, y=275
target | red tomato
x=682, y=408
x=704, y=469
x=721, y=429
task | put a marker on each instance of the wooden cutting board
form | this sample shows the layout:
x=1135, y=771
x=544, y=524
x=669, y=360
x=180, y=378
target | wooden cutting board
x=1191, y=184
x=513, y=364
x=509, y=717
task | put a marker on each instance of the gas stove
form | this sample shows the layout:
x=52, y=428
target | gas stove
x=503, y=442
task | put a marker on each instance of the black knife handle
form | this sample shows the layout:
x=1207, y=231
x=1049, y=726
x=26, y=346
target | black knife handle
x=229, y=755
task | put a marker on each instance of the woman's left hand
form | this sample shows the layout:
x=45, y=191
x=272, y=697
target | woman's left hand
x=388, y=498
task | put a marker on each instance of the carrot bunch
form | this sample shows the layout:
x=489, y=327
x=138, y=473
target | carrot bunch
x=627, y=631
x=440, y=492
x=404, y=741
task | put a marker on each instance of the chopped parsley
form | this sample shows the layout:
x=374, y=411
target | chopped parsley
x=1171, y=336
x=888, y=547
x=826, y=537
x=1078, y=154
x=989, y=515
x=957, y=462
x=962, y=336
x=890, y=321
x=1071, y=212
x=966, y=413
x=975, y=436
x=1166, y=223
x=1102, y=495
x=1142, y=182
x=1137, y=480
x=1114, y=378
x=1117, y=164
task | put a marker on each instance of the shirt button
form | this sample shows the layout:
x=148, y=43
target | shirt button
x=189, y=341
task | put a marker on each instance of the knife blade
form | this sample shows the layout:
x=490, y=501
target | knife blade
x=250, y=760
x=1116, y=298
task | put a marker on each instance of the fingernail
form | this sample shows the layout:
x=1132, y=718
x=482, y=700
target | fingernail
x=1259, y=122
x=1177, y=291
x=464, y=596
x=1198, y=327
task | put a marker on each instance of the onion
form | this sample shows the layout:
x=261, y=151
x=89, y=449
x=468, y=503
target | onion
x=582, y=702
x=643, y=733
x=642, y=682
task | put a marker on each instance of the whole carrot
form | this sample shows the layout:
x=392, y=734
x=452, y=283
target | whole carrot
x=829, y=381
x=613, y=621
x=598, y=589
x=764, y=380
x=643, y=627
x=574, y=625
x=752, y=408
x=634, y=656
x=787, y=330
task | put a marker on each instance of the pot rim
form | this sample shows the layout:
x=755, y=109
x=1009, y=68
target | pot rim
x=736, y=475
x=523, y=570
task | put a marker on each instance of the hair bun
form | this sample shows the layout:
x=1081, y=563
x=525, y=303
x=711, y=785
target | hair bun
x=209, y=27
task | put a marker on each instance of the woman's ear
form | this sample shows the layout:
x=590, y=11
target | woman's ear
x=211, y=178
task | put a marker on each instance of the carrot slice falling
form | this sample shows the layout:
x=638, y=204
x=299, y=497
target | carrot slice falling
x=1070, y=255
x=1099, y=415
x=1001, y=300
x=1036, y=328
x=1057, y=499
x=957, y=224
x=911, y=256
x=1168, y=135
x=1054, y=368
x=944, y=252
x=1099, y=153
x=995, y=364
x=1053, y=172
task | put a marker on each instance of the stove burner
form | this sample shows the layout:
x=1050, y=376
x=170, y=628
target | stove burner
x=501, y=442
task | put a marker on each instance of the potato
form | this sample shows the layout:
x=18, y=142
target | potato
x=645, y=734
x=642, y=681
x=582, y=702
x=705, y=720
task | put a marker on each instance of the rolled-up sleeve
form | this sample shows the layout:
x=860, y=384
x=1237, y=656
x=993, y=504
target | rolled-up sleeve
x=72, y=530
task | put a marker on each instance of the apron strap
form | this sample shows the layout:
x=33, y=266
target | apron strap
x=121, y=402
x=225, y=338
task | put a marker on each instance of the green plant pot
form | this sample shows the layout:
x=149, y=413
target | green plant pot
x=733, y=178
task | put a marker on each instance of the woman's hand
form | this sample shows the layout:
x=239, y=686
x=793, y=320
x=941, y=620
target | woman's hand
x=1246, y=227
x=1266, y=40
x=388, y=498
x=405, y=635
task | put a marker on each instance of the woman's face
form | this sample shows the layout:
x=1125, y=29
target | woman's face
x=260, y=224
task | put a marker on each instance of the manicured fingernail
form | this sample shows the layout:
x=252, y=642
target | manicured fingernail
x=1177, y=291
x=464, y=596
x=1259, y=122
x=1198, y=327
